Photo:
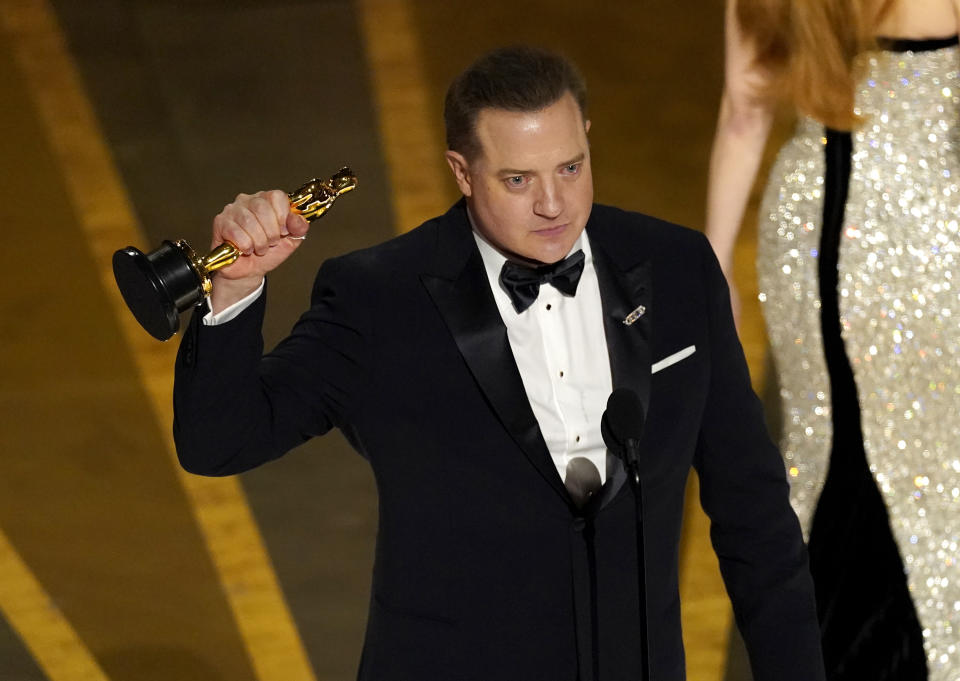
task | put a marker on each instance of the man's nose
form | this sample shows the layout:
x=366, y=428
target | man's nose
x=549, y=202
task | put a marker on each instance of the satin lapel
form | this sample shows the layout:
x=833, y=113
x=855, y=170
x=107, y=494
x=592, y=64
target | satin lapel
x=623, y=292
x=469, y=311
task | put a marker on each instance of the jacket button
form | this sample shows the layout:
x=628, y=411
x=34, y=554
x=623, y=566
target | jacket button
x=579, y=524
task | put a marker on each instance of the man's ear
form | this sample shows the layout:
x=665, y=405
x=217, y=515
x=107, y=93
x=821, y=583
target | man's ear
x=586, y=126
x=461, y=171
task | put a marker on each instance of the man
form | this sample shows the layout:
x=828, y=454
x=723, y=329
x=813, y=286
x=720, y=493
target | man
x=476, y=395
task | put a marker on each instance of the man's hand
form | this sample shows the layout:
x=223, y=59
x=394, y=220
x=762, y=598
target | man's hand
x=257, y=224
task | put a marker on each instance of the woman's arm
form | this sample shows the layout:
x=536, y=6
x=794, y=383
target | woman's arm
x=743, y=125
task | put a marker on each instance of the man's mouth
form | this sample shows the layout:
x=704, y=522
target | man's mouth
x=550, y=231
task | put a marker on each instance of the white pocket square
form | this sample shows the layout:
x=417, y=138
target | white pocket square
x=670, y=360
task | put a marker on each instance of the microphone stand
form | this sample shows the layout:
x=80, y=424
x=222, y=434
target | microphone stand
x=632, y=459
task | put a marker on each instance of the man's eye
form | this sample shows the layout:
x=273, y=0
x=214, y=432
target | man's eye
x=515, y=181
x=573, y=168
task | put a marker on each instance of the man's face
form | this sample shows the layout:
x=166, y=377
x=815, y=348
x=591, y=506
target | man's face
x=530, y=188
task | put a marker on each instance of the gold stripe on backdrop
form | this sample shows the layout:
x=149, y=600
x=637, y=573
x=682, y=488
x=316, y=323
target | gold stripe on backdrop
x=704, y=606
x=101, y=203
x=44, y=630
x=408, y=132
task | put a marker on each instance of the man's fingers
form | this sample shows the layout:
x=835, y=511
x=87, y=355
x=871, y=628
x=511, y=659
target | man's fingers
x=269, y=221
x=250, y=223
x=297, y=225
x=258, y=225
x=280, y=203
x=226, y=228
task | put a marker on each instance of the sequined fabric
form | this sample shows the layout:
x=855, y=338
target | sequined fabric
x=899, y=286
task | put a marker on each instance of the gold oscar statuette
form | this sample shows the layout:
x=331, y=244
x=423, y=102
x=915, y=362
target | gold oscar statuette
x=159, y=285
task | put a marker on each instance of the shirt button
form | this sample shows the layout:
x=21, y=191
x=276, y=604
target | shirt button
x=561, y=374
x=549, y=306
x=578, y=438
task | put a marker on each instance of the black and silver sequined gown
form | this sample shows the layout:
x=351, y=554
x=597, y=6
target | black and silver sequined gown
x=859, y=268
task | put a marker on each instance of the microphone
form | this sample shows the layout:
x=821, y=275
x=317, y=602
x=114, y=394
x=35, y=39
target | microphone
x=622, y=426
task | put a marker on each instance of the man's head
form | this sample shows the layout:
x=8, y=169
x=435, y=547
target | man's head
x=517, y=145
x=519, y=79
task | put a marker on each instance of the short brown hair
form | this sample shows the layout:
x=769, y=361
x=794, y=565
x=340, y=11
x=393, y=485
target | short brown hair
x=518, y=78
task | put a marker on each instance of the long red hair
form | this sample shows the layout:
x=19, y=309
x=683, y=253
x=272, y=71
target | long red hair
x=809, y=47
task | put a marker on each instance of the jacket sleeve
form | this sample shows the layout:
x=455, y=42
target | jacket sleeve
x=744, y=491
x=236, y=408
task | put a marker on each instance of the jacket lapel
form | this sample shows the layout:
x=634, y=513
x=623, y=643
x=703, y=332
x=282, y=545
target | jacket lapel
x=625, y=295
x=459, y=288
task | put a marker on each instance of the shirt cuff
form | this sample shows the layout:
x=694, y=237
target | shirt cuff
x=233, y=311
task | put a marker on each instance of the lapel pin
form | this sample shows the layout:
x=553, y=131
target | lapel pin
x=635, y=315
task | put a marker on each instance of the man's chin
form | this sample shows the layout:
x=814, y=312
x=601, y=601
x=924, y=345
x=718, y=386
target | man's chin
x=547, y=254
x=547, y=259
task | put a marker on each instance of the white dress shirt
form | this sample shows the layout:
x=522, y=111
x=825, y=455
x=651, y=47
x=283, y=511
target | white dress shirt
x=232, y=311
x=561, y=351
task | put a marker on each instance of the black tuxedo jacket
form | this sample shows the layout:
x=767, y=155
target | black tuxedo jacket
x=484, y=568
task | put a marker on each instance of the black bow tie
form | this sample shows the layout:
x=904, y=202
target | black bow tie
x=523, y=283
